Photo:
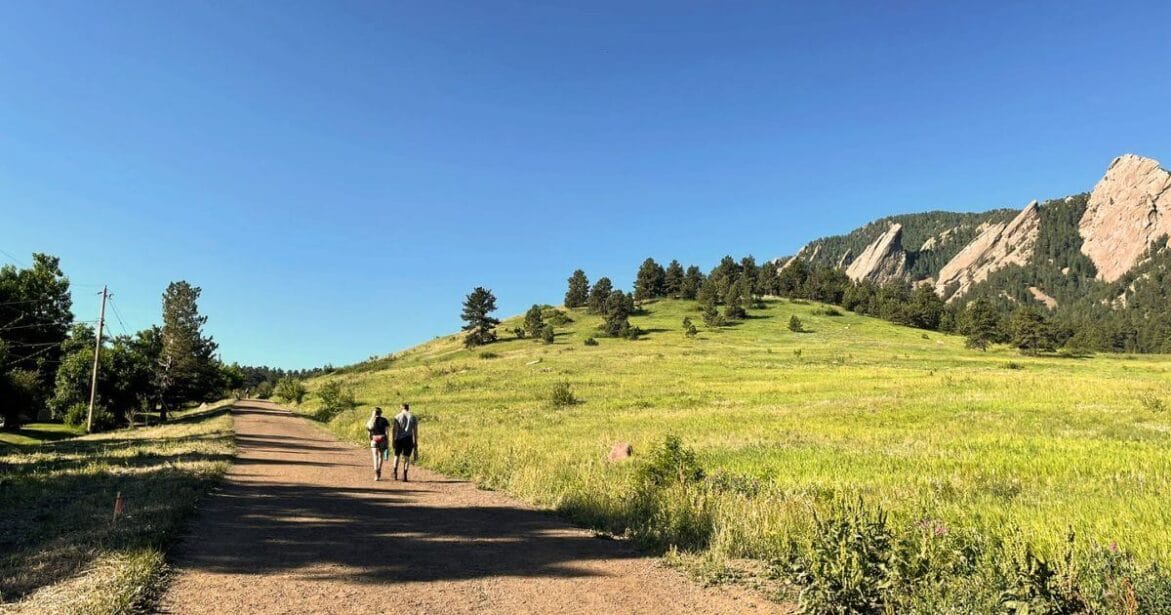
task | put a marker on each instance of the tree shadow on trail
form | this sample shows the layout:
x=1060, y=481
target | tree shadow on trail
x=381, y=535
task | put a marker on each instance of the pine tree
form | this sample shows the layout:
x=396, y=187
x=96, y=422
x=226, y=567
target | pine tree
x=925, y=308
x=189, y=370
x=480, y=326
x=534, y=323
x=617, y=315
x=1030, y=333
x=767, y=280
x=689, y=327
x=980, y=323
x=579, y=290
x=795, y=324
x=599, y=294
x=734, y=300
x=692, y=280
x=707, y=293
x=673, y=280
x=711, y=315
x=649, y=282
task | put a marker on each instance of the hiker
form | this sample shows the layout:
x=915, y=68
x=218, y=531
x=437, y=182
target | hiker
x=378, y=427
x=406, y=440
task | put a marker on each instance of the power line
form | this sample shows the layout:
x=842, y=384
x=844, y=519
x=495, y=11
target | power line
x=118, y=315
x=11, y=257
x=26, y=358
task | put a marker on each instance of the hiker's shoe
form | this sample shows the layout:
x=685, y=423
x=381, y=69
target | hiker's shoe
x=396, y=474
x=377, y=476
x=405, y=479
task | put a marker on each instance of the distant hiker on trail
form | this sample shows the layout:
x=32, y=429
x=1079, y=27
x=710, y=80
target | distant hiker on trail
x=378, y=428
x=406, y=440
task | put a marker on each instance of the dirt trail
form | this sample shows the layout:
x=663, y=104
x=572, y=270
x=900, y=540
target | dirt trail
x=300, y=526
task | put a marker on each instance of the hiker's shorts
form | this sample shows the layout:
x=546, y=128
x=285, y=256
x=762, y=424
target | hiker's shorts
x=404, y=446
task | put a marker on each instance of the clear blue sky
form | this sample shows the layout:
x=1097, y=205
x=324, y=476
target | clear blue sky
x=337, y=176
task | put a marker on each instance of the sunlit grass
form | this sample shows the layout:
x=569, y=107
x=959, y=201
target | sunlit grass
x=910, y=420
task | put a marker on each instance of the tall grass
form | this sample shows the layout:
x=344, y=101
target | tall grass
x=785, y=424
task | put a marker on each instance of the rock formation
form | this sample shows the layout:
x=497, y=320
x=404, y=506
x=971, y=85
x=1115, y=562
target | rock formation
x=882, y=260
x=995, y=247
x=1128, y=209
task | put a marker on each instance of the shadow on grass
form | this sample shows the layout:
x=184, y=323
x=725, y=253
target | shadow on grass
x=57, y=503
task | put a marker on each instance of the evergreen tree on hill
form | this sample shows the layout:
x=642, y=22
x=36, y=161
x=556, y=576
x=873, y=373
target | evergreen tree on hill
x=766, y=279
x=650, y=281
x=1030, y=333
x=579, y=290
x=534, y=322
x=673, y=280
x=734, y=300
x=617, y=315
x=693, y=278
x=980, y=324
x=711, y=315
x=599, y=294
x=480, y=326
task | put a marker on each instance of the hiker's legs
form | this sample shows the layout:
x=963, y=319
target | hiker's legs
x=377, y=461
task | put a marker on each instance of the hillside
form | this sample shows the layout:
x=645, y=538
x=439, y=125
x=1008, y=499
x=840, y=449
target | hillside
x=995, y=449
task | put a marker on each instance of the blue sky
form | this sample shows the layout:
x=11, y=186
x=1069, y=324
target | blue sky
x=337, y=176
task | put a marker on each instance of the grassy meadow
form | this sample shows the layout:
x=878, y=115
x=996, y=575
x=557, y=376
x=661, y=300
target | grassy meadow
x=981, y=452
x=61, y=551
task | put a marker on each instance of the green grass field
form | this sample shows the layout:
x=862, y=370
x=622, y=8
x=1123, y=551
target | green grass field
x=38, y=433
x=994, y=448
x=61, y=550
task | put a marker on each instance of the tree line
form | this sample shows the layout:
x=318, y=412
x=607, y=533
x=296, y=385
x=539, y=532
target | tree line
x=47, y=359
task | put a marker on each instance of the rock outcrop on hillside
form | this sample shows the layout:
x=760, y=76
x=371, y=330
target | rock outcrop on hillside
x=1128, y=209
x=884, y=259
x=995, y=247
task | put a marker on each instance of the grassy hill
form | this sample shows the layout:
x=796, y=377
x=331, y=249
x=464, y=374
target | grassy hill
x=977, y=454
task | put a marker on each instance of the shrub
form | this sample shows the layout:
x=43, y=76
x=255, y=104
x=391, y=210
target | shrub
x=846, y=564
x=689, y=327
x=264, y=390
x=1013, y=365
x=78, y=414
x=1036, y=587
x=519, y=332
x=589, y=341
x=555, y=317
x=547, y=334
x=290, y=390
x=795, y=324
x=670, y=463
x=489, y=355
x=1152, y=403
x=562, y=395
x=827, y=311
x=335, y=399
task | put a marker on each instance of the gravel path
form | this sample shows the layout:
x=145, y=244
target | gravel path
x=300, y=526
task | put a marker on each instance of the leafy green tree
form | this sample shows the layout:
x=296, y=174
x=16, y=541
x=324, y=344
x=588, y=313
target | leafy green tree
x=693, y=279
x=480, y=327
x=191, y=371
x=1030, y=332
x=534, y=321
x=579, y=290
x=791, y=277
x=617, y=315
x=35, y=316
x=72, y=382
x=673, y=279
x=289, y=390
x=599, y=294
x=980, y=324
x=650, y=281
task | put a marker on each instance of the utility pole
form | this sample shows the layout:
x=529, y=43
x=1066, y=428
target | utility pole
x=93, y=387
